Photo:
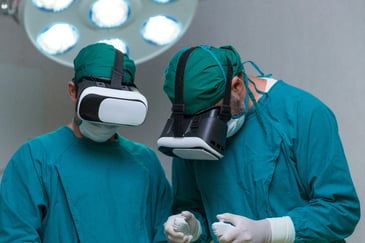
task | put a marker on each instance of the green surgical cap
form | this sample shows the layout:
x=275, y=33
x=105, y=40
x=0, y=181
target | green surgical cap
x=97, y=60
x=204, y=79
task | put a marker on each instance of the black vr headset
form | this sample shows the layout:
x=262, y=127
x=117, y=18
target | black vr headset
x=201, y=136
x=111, y=101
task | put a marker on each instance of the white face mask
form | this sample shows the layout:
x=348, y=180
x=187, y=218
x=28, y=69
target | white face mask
x=234, y=124
x=96, y=132
x=236, y=121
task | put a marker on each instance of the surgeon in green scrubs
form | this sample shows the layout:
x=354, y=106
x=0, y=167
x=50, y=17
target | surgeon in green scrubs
x=85, y=182
x=284, y=175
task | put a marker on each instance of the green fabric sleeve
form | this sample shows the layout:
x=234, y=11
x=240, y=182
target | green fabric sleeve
x=22, y=200
x=333, y=209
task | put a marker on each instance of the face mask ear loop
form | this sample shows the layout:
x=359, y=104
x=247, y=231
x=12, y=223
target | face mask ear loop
x=77, y=123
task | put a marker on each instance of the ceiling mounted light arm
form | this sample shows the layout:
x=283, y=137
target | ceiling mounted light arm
x=9, y=7
x=143, y=29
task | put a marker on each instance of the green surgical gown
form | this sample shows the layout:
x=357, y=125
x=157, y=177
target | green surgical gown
x=61, y=189
x=291, y=164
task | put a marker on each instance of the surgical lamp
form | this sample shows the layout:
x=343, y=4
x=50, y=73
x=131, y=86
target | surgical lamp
x=141, y=28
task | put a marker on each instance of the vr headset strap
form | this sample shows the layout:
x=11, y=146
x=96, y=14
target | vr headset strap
x=117, y=72
x=225, y=112
x=178, y=106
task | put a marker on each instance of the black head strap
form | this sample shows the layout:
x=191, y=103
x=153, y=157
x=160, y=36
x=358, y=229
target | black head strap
x=225, y=113
x=178, y=106
x=117, y=71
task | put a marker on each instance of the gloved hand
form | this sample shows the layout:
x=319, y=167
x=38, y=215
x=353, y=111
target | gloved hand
x=182, y=228
x=241, y=229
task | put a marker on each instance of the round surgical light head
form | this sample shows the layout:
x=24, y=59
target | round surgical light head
x=141, y=28
x=58, y=38
x=161, y=30
x=118, y=44
x=53, y=5
x=109, y=13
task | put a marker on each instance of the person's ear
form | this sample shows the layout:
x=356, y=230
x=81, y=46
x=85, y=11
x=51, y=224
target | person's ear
x=237, y=86
x=71, y=88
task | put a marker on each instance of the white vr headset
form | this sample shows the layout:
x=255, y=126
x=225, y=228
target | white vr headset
x=201, y=136
x=110, y=101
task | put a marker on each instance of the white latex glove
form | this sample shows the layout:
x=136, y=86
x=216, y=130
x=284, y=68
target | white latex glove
x=238, y=229
x=182, y=228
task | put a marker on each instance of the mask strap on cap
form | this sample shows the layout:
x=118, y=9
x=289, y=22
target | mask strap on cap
x=206, y=48
x=117, y=71
x=178, y=106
